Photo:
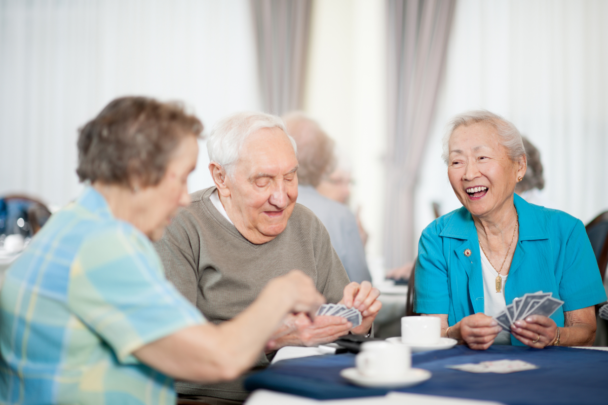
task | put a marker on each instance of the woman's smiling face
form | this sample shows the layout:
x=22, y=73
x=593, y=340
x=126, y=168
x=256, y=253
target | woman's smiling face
x=480, y=170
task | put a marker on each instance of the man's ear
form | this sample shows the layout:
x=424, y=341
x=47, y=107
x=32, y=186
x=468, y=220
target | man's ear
x=219, y=175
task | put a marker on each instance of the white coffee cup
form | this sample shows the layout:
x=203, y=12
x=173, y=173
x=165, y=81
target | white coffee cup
x=383, y=359
x=14, y=243
x=420, y=330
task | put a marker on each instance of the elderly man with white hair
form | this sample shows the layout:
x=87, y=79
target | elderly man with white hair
x=236, y=236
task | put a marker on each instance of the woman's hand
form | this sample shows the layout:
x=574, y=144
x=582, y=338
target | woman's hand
x=298, y=290
x=535, y=331
x=479, y=331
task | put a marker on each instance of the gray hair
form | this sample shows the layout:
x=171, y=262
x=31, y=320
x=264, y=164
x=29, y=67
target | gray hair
x=509, y=135
x=315, y=148
x=229, y=135
x=534, y=175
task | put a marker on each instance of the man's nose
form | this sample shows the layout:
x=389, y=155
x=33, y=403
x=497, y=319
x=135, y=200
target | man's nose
x=279, y=197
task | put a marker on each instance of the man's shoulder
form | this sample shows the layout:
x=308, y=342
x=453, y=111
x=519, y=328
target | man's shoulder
x=325, y=209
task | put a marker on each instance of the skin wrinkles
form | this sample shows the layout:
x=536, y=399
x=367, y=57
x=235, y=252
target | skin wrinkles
x=260, y=194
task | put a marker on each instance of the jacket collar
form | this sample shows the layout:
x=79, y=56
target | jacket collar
x=531, y=225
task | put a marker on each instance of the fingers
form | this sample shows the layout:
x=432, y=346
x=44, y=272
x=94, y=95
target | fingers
x=371, y=298
x=307, y=298
x=323, y=334
x=326, y=320
x=540, y=320
x=362, y=294
x=349, y=294
x=538, y=333
x=479, y=321
x=372, y=310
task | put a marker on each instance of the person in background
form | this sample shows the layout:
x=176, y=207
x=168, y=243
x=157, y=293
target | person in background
x=336, y=184
x=498, y=247
x=233, y=238
x=315, y=159
x=86, y=313
x=531, y=186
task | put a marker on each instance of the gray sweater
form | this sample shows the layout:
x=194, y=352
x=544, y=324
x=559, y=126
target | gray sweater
x=222, y=273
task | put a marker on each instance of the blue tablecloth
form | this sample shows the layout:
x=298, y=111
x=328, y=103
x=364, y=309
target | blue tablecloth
x=564, y=376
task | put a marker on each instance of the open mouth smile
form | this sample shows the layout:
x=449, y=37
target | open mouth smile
x=477, y=192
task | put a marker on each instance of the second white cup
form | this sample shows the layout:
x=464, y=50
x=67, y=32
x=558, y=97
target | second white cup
x=382, y=359
x=420, y=330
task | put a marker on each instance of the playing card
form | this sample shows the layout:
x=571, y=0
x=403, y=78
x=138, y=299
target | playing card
x=497, y=366
x=503, y=321
x=529, y=299
x=323, y=309
x=336, y=311
x=510, y=311
x=516, y=307
x=355, y=319
x=546, y=307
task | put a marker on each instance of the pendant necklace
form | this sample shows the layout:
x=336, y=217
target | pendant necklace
x=498, y=277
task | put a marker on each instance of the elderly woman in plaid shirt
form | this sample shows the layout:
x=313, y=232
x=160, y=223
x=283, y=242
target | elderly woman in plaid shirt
x=86, y=314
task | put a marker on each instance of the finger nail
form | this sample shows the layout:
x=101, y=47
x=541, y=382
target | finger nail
x=494, y=323
x=529, y=320
x=518, y=323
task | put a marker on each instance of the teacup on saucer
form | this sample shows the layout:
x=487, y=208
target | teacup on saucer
x=442, y=344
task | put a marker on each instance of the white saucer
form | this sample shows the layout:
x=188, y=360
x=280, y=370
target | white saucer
x=443, y=344
x=413, y=377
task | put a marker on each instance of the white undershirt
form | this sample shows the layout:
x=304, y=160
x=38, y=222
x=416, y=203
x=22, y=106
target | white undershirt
x=215, y=200
x=494, y=302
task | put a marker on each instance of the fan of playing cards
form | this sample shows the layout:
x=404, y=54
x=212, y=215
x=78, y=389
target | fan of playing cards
x=539, y=303
x=352, y=315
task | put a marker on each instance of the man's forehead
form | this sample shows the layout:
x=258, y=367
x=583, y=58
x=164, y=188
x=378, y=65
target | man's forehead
x=268, y=151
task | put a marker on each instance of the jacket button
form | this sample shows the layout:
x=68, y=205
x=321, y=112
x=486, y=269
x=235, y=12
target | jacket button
x=467, y=252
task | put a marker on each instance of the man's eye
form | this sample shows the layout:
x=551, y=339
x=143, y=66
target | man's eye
x=262, y=182
x=456, y=163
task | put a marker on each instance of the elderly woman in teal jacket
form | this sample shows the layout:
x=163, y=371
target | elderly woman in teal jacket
x=476, y=260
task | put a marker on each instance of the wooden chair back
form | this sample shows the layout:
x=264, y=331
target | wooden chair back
x=597, y=230
x=411, y=293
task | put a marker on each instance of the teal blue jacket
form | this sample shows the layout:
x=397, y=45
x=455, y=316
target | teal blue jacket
x=553, y=254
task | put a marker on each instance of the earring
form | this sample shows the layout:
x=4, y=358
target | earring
x=519, y=179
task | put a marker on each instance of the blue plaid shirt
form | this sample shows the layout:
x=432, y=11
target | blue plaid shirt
x=87, y=292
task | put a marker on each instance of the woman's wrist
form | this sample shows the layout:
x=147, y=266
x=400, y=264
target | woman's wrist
x=556, y=339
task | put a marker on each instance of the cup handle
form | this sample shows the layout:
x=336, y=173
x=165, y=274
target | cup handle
x=365, y=364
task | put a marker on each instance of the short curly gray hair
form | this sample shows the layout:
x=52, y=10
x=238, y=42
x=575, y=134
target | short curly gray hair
x=509, y=135
x=133, y=138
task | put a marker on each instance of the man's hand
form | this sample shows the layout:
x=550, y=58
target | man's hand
x=479, y=331
x=324, y=329
x=363, y=297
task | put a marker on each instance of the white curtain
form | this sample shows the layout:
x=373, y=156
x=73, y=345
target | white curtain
x=62, y=61
x=543, y=64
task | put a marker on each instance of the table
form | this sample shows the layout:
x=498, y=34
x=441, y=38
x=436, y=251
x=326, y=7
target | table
x=564, y=376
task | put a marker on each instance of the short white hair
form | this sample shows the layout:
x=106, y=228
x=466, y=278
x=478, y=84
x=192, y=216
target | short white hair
x=508, y=134
x=228, y=136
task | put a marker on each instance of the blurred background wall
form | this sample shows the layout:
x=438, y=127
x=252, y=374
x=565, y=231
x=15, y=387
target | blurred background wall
x=540, y=63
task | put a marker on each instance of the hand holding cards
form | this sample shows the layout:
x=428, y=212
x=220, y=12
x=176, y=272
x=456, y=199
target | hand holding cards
x=538, y=303
x=352, y=315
